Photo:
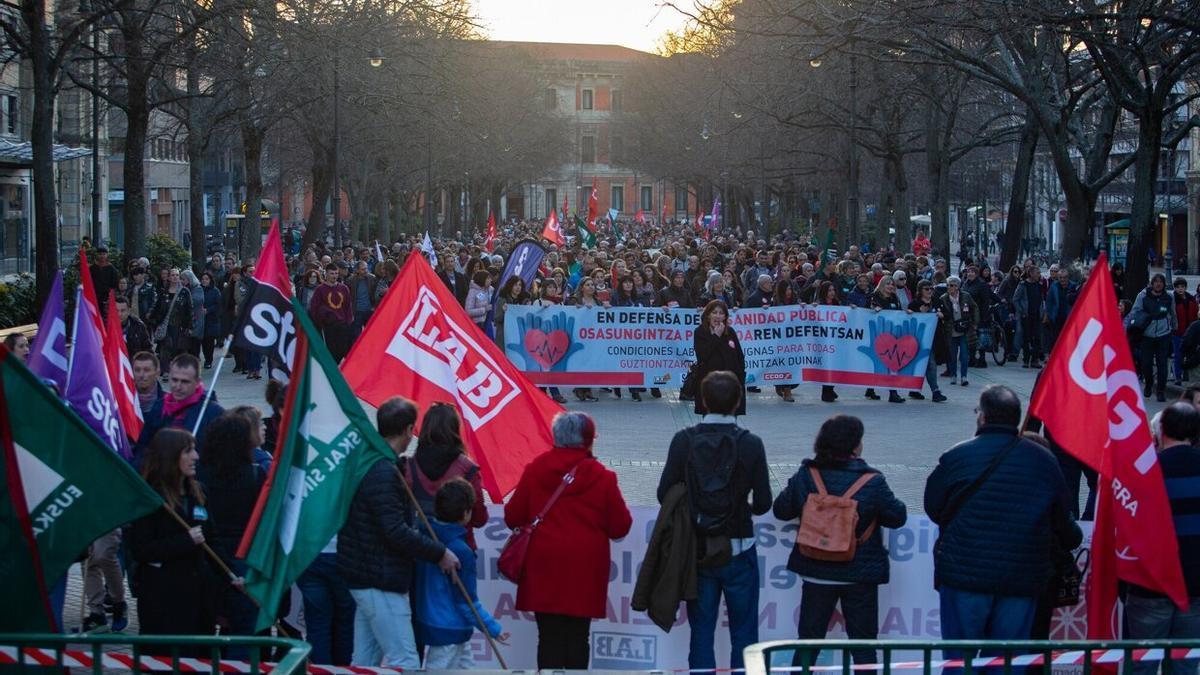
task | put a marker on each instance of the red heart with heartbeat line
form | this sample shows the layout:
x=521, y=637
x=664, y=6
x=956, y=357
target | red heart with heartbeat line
x=546, y=348
x=896, y=352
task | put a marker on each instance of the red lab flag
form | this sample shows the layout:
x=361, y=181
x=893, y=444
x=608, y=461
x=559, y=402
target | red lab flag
x=490, y=243
x=1089, y=399
x=552, y=232
x=120, y=372
x=420, y=344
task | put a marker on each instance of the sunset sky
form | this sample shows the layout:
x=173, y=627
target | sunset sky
x=632, y=23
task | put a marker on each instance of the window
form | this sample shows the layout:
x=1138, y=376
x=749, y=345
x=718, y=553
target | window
x=11, y=114
x=551, y=199
x=618, y=198
x=587, y=150
x=551, y=98
x=681, y=195
x=647, y=203
x=616, y=100
x=587, y=99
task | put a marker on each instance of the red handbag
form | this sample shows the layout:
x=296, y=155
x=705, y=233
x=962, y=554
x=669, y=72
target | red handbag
x=511, y=562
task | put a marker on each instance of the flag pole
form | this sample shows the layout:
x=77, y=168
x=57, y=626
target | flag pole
x=221, y=564
x=453, y=574
x=212, y=385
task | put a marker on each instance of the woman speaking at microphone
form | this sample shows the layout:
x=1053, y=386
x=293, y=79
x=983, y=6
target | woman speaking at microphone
x=717, y=348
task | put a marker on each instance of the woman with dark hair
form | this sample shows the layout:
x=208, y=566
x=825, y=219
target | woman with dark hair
x=837, y=468
x=584, y=296
x=439, y=459
x=645, y=290
x=173, y=582
x=386, y=273
x=717, y=347
x=827, y=295
x=308, y=286
x=258, y=433
x=212, y=317
x=785, y=294
x=231, y=482
x=18, y=344
x=513, y=293
x=626, y=295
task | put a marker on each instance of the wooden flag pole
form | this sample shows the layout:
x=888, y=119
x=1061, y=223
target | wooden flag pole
x=453, y=574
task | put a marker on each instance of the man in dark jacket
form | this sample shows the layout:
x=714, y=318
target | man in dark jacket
x=377, y=550
x=1150, y=615
x=137, y=336
x=180, y=408
x=677, y=294
x=1031, y=313
x=456, y=281
x=1000, y=502
x=105, y=277
x=729, y=562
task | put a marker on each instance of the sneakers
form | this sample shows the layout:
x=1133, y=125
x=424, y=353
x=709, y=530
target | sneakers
x=895, y=398
x=938, y=397
x=94, y=623
x=963, y=382
x=916, y=395
x=120, y=618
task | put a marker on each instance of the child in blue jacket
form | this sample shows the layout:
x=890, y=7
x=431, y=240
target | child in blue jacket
x=443, y=620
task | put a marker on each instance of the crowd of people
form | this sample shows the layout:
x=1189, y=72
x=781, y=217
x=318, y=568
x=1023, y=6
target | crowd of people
x=379, y=594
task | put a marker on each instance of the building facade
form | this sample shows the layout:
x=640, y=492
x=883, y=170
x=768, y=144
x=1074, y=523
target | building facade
x=587, y=85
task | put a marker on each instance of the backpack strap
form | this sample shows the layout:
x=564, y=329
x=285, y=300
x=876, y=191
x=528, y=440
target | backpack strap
x=858, y=484
x=816, y=476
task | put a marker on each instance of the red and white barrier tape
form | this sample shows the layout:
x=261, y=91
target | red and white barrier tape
x=73, y=658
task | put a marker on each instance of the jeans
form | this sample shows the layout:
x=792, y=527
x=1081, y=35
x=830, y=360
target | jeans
x=328, y=612
x=1031, y=333
x=1159, y=619
x=860, y=607
x=103, y=569
x=959, y=349
x=1155, y=351
x=562, y=641
x=931, y=373
x=1177, y=355
x=449, y=657
x=737, y=580
x=982, y=616
x=383, y=631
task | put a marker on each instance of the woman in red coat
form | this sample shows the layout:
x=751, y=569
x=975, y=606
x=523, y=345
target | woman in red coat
x=565, y=582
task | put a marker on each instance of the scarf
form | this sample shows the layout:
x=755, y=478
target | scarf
x=172, y=406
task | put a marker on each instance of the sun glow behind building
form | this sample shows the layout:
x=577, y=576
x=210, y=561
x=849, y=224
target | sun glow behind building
x=637, y=24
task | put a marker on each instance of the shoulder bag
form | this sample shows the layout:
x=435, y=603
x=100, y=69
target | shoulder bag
x=965, y=496
x=160, y=333
x=511, y=562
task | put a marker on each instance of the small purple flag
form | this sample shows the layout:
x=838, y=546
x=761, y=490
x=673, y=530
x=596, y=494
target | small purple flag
x=48, y=357
x=716, y=214
x=89, y=391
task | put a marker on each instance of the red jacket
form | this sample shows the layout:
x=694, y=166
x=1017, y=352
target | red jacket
x=566, y=571
x=1186, y=311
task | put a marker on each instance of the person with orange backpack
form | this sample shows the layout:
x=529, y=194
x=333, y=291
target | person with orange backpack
x=843, y=505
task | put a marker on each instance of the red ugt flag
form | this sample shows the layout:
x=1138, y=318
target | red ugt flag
x=552, y=232
x=120, y=372
x=491, y=233
x=421, y=344
x=1090, y=401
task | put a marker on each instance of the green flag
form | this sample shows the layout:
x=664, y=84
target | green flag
x=587, y=238
x=63, y=488
x=326, y=446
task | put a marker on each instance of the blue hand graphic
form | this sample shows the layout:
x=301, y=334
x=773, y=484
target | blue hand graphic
x=911, y=326
x=561, y=321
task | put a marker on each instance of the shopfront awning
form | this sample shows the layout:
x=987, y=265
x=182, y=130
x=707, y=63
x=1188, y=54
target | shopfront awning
x=20, y=153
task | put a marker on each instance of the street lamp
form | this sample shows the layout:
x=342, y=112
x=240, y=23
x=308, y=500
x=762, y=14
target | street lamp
x=87, y=7
x=376, y=60
x=852, y=190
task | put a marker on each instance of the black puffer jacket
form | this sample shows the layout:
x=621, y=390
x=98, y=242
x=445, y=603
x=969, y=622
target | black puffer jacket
x=876, y=503
x=999, y=541
x=378, y=545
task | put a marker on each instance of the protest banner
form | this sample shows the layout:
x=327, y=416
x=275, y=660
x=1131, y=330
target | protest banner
x=628, y=640
x=652, y=347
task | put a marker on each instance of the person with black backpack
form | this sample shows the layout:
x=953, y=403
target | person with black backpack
x=843, y=504
x=721, y=465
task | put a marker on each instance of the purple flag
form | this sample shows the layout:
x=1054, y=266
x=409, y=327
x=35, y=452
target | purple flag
x=48, y=357
x=715, y=223
x=89, y=390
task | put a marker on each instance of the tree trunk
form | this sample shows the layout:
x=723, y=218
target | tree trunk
x=1142, y=211
x=42, y=137
x=937, y=171
x=322, y=186
x=901, y=216
x=250, y=239
x=195, y=144
x=1081, y=214
x=137, y=121
x=1018, y=202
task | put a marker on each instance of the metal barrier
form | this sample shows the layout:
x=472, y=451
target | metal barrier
x=965, y=656
x=175, y=653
